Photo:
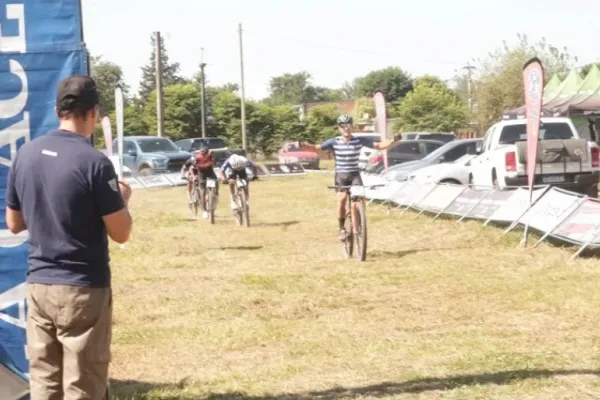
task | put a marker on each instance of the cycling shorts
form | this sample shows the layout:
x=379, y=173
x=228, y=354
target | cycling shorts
x=233, y=174
x=347, y=179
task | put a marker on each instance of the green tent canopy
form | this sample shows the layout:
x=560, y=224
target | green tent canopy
x=587, y=100
x=552, y=87
x=568, y=88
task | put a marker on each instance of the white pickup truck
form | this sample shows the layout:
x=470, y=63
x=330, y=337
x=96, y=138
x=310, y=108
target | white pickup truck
x=563, y=158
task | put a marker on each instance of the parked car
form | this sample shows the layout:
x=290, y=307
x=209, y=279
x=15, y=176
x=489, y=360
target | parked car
x=290, y=153
x=366, y=139
x=456, y=172
x=439, y=136
x=217, y=146
x=449, y=152
x=400, y=153
x=147, y=155
x=564, y=159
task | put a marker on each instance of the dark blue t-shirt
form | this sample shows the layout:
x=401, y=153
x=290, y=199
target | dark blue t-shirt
x=63, y=187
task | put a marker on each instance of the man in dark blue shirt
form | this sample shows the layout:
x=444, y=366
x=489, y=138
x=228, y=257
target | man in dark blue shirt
x=67, y=195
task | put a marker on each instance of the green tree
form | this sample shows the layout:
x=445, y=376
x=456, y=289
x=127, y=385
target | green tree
x=392, y=81
x=108, y=77
x=134, y=122
x=181, y=111
x=321, y=123
x=170, y=71
x=432, y=106
x=499, y=86
x=226, y=114
x=296, y=88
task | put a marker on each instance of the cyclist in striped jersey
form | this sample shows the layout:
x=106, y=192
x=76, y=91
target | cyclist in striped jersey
x=346, y=149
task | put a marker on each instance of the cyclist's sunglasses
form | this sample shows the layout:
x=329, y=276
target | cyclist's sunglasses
x=344, y=125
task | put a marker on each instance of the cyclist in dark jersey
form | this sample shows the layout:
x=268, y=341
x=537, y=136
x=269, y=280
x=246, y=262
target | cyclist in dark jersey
x=201, y=165
x=346, y=149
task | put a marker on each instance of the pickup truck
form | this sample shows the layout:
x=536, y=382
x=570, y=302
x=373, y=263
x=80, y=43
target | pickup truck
x=217, y=146
x=563, y=158
x=148, y=155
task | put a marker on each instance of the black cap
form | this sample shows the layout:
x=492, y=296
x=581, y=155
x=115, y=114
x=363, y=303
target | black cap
x=77, y=93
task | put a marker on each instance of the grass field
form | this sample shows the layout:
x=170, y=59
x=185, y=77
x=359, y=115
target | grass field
x=439, y=311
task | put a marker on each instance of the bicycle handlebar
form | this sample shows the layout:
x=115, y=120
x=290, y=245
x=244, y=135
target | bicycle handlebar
x=355, y=186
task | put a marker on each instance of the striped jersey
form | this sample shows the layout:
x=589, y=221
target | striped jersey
x=346, y=154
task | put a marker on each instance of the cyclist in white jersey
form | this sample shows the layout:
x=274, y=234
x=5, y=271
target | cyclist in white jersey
x=346, y=149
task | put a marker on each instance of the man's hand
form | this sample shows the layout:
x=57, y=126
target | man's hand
x=398, y=137
x=125, y=190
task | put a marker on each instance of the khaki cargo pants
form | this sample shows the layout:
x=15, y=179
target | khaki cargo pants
x=68, y=341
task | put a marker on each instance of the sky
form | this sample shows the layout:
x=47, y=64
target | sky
x=333, y=40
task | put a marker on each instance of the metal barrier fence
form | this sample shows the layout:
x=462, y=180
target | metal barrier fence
x=557, y=213
x=174, y=179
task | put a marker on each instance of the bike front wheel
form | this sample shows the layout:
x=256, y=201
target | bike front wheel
x=361, y=232
x=195, y=201
x=210, y=205
x=244, y=211
x=348, y=243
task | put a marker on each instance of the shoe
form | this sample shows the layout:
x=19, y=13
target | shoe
x=205, y=215
x=343, y=235
x=233, y=205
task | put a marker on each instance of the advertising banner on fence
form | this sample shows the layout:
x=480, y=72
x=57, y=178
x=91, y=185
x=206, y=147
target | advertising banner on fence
x=381, y=121
x=40, y=44
x=533, y=78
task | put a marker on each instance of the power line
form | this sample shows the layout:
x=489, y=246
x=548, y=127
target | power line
x=362, y=51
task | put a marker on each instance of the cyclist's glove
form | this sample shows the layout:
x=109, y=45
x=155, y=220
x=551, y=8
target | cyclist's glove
x=397, y=137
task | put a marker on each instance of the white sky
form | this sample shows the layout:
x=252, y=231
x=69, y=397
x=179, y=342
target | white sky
x=422, y=37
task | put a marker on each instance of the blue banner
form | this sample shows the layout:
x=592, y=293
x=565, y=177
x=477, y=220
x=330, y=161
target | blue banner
x=41, y=42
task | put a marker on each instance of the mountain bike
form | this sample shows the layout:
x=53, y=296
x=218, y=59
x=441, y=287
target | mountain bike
x=210, y=194
x=360, y=237
x=242, y=211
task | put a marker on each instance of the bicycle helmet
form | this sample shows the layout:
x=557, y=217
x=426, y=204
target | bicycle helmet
x=344, y=119
x=237, y=162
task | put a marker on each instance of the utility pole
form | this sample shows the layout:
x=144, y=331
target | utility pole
x=469, y=69
x=203, y=92
x=242, y=88
x=159, y=87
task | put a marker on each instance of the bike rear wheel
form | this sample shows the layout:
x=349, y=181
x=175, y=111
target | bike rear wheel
x=361, y=232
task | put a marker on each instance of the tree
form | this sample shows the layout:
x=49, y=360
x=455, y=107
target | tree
x=289, y=88
x=170, y=71
x=500, y=83
x=108, y=77
x=392, y=81
x=296, y=88
x=349, y=90
x=321, y=123
x=226, y=113
x=133, y=119
x=181, y=111
x=432, y=106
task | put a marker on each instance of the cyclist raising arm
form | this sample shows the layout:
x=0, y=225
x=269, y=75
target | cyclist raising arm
x=346, y=149
x=235, y=167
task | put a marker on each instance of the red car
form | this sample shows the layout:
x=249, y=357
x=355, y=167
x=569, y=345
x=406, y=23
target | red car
x=290, y=153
